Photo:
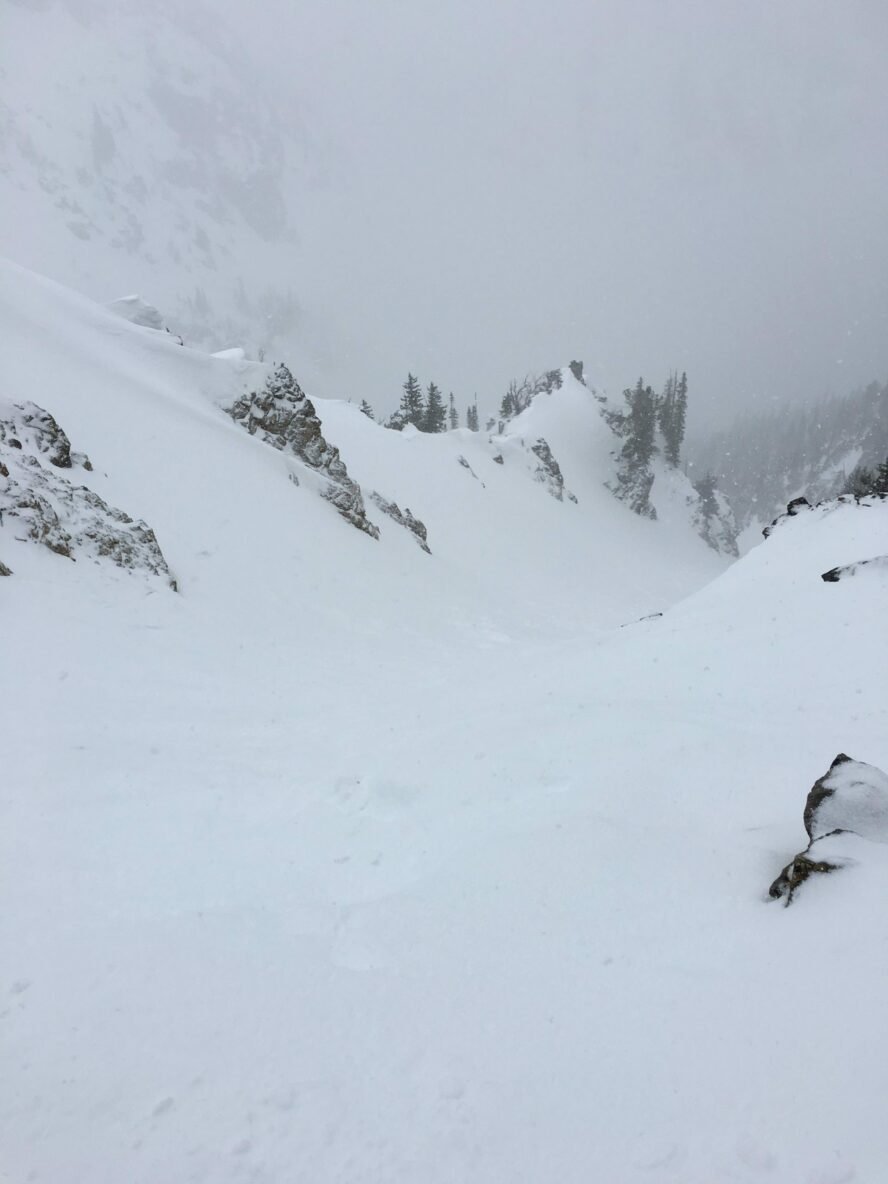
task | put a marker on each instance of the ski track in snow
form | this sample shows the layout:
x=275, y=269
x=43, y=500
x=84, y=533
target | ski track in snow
x=355, y=864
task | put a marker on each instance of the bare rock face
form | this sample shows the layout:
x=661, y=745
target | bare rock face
x=548, y=471
x=282, y=416
x=43, y=505
x=403, y=518
x=850, y=799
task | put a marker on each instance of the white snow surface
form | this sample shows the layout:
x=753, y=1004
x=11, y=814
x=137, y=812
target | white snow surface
x=858, y=802
x=351, y=863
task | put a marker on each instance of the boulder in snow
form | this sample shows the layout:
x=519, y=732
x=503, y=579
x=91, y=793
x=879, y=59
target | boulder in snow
x=877, y=563
x=796, y=506
x=850, y=799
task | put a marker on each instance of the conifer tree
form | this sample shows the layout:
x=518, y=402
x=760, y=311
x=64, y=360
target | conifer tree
x=641, y=423
x=507, y=406
x=453, y=414
x=681, y=414
x=672, y=408
x=367, y=409
x=411, y=409
x=434, y=417
x=472, y=422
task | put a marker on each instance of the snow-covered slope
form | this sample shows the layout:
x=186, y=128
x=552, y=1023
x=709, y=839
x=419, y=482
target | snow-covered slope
x=349, y=862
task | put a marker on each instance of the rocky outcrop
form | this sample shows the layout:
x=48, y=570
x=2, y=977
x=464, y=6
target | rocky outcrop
x=43, y=505
x=877, y=563
x=796, y=506
x=713, y=518
x=281, y=415
x=27, y=428
x=403, y=518
x=633, y=486
x=851, y=798
x=548, y=471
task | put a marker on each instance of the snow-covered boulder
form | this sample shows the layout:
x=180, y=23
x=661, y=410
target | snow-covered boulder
x=845, y=806
x=137, y=311
x=845, y=571
x=282, y=416
x=851, y=795
x=793, y=508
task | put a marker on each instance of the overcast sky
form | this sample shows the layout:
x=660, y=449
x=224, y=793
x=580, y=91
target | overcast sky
x=502, y=185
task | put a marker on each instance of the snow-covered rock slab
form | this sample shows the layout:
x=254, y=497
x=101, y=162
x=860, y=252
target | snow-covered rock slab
x=846, y=807
x=853, y=796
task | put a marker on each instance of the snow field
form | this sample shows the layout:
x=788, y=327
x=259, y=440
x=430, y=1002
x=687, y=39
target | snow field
x=355, y=864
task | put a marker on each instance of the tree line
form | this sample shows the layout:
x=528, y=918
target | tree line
x=428, y=412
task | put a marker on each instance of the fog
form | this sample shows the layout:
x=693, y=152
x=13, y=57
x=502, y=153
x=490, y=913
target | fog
x=475, y=190
x=500, y=187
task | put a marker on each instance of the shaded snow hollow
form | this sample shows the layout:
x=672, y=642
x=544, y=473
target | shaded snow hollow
x=357, y=863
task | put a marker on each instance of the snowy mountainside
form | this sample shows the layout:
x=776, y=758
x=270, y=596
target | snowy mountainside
x=351, y=862
x=576, y=420
x=150, y=414
x=136, y=156
x=764, y=461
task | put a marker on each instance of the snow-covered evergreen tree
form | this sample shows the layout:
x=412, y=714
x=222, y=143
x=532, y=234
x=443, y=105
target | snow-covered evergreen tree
x=453, y=414
x=367, y=409
x=672, y=409
x=637, y=426
x=434, y=417
x=411, y=409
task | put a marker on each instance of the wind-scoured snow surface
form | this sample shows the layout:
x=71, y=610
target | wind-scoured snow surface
x=352, y=863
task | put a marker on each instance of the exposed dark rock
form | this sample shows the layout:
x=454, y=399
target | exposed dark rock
x=548, y=471
x=403, y=518
x=46, y=507
x=498, y=459
x=792, y=509
x=4, y=570
x=282, y=416
x=877, y=563
x=850, y=798
x=796, y=872
x=634, y=488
